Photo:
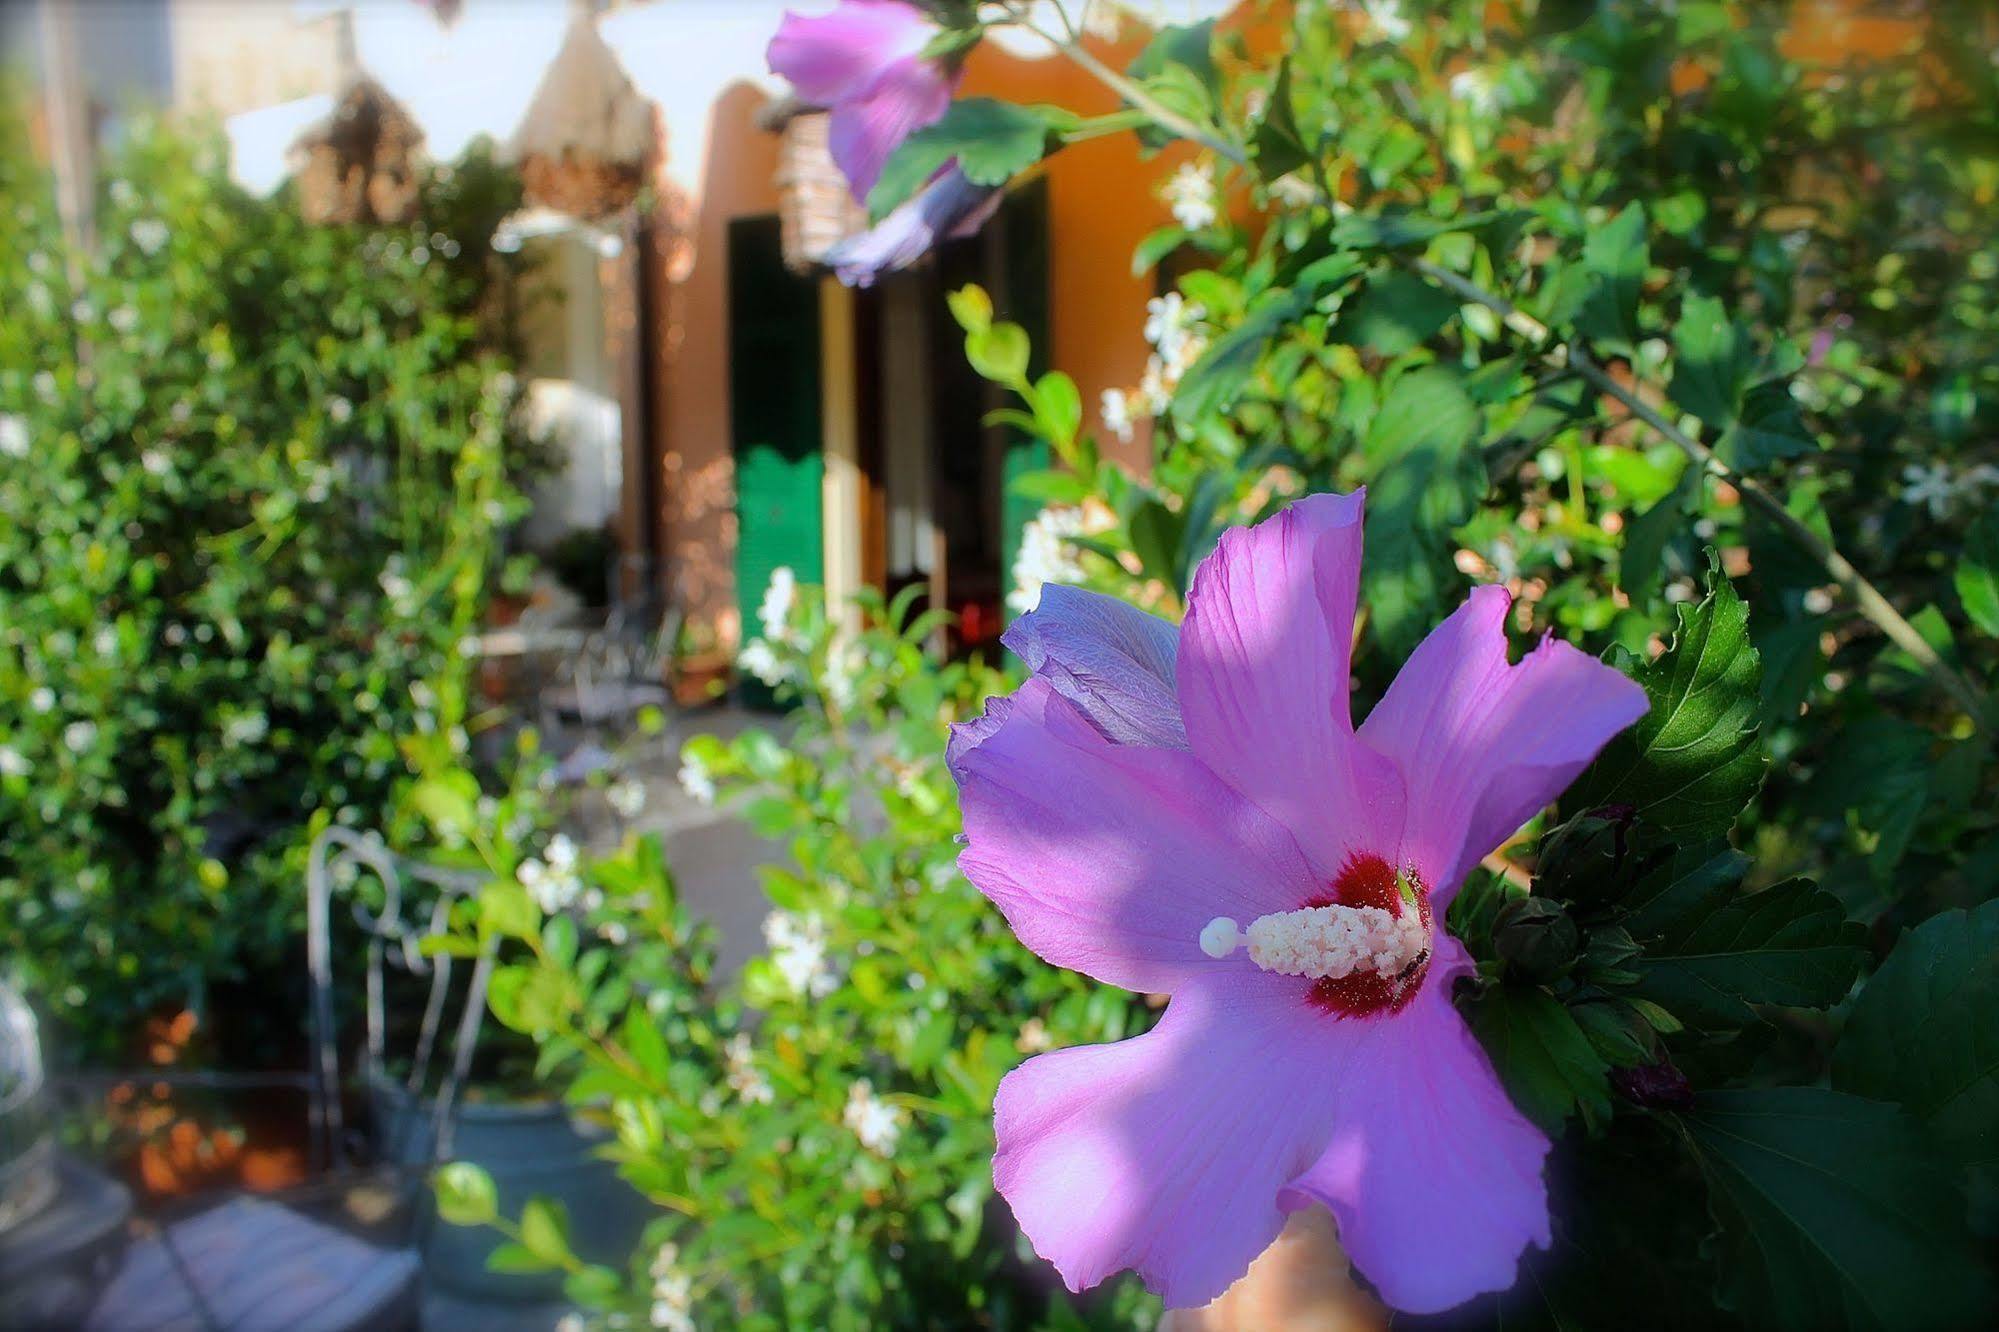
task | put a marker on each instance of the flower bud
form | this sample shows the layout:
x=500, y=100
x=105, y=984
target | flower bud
x=1536, y=937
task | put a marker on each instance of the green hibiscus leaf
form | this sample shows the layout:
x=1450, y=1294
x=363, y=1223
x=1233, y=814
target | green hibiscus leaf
x=1424, y=478
x=1833, y=1214
x=993, y=142
x=1922, y=1032
x=1614, y=260
x=1710, y=951
x=1546, y=1060
x=1692, y=762
x=1716, y=376
x=1978, y=574
x=1219, y=377
x=1278, y=144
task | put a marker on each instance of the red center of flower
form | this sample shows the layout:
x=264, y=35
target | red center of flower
x=1370, y=881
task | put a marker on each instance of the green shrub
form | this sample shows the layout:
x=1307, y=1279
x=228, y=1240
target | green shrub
x=252, y=479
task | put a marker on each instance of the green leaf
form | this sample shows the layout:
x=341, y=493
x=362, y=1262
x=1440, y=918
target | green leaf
x=1880, y=769
x=447, y=806
x=644, y=1044
x=1711, y=951
x=1714, y=377
x=545, y=1230
x=1155, y=539
x=1277, y=144
x=1424, y=478
x=992, y=142
x=516, y=1259
x=971, y=307
x=505, y=909
x=1833, y=1214
x=1218, y=378
x=1925, y=1032
x=1058, y=407
x=1692, y=763
x=1396, y=229
x=1978, y=574
x=1178, y=68
x=465, y=1194
x=1550, y=1068
x=1395, y=313
x=999, y=352
x=1615, y=256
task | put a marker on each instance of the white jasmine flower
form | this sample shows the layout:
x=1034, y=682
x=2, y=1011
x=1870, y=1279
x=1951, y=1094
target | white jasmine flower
x=672, y=1292
x=1190, y=194
x=1476, y=89
x=627, y=797
x=1117, y=413
x=1103, y=20
x=842, y=675
x=775, y=610
x=760, y=660
x=798, y=951
x=13, y=435
x=149, y=234
x=561, y=853
x=695, y=780
x=1384, y=20
x=1294, y=191
x=1046, y=555
x=79, y=736
x=1929, y=484
x=744, y=1077
x=874, y=1121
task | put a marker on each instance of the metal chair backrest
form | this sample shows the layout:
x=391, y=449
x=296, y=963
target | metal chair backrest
x=395, y=933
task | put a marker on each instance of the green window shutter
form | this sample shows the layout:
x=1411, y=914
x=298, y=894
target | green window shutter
x=1023, y=298
x=774, y=407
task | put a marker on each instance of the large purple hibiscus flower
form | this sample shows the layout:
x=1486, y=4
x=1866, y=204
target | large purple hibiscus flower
x=1193, y=812
x=864, y=62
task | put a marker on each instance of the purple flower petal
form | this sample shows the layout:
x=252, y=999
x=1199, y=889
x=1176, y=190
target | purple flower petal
x=1483, y=745
x=830, y=58
x=949, y=206
x=1113, y=661
x=1265, y=657
x=1109, y=859
x=864, y=131
x=1166, y=1152
x=1434, y=1177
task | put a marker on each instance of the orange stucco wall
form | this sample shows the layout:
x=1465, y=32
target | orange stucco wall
x=1102, y=199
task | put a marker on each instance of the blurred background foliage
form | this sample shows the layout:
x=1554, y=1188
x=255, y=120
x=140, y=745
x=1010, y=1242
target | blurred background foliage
x=254, y=476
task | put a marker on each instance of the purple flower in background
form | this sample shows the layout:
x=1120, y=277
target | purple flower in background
x=1193, y=812
x=864, y=62
x=948, y=206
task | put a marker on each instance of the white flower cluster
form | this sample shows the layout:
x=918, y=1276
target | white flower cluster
x=744, y=1077
x=1046, y=555
x=1384, y=20
x=695, y=779
x=798, y=951
x=149, y=234
x=13, y=763
x=874, y=1121
x=1172, y=326
x=1190, y=195
x=397, y=586
x=1935, y=486
x=13, y=435
x=627, y=797
x=1103, y=19
x=554, y=884
x=1117, y=413
x=672, y=1292
x=774, y=614
x=1476, y=89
